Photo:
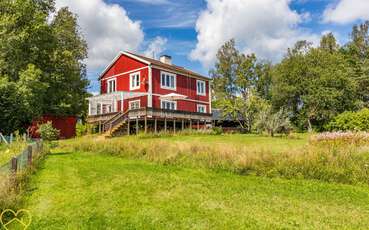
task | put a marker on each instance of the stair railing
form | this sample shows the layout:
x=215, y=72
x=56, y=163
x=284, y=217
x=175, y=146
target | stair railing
x=115, y=121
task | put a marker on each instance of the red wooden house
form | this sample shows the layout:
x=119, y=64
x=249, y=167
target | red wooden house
x=140, y=92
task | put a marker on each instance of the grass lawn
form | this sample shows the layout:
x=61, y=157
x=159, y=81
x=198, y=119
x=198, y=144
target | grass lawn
x=96, y=191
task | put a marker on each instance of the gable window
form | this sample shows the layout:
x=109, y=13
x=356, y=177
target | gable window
x=111, y=85
x=134, y=104
x=171, y=105
x=167, y=80
x=134, y=81
x=200, y=88
x=201, y=108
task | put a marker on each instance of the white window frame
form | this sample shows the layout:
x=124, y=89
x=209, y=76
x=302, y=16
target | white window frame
x=197, y=88
x=168, y=101
x=135, y=101
x=163, y=85
x=135, y=80
x=201, y=106
x=108, y=90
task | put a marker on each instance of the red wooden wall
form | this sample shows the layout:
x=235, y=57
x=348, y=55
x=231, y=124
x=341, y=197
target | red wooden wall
x=66, y=125
x=185, y=85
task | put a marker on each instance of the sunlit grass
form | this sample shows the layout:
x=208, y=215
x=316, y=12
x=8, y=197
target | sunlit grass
x=242, y=154
x=75, y=190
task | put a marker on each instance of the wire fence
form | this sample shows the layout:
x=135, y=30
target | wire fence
x=24, y=159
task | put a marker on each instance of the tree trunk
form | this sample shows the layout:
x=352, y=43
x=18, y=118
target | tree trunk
x=310, y=128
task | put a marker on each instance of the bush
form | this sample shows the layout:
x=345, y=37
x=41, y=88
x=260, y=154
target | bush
x=83, y=129
x=350, y=121
x=217, y=130
x=48, y=132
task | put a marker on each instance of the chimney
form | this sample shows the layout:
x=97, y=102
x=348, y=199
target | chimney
x=166, y=59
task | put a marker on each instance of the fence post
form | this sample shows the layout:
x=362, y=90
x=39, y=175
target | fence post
x=14, y=165
x=29, y=155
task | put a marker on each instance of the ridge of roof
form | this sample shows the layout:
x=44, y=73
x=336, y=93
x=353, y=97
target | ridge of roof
x=155, y=62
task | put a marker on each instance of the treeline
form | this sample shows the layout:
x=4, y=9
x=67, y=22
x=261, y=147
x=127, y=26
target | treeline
x=308, y=88
x=41, y=68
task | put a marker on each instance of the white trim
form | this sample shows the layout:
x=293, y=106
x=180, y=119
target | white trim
x=204, y=102
x=131, y=102
x=149, y=96
x=200, y=105
x=117, y=57
x=139, y=80
x=135, y=57
x=210, y=109
x=174, y=83
x=197, y=88
x=115, y=85
x=120, y=74
x=161, y=103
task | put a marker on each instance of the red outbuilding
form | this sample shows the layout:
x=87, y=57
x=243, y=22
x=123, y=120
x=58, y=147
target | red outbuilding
x=65, y=124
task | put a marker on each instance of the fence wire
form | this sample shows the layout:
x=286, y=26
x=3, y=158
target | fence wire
x=22, y=158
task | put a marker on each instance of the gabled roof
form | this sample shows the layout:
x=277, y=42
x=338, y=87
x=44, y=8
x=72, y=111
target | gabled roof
x=154, y=63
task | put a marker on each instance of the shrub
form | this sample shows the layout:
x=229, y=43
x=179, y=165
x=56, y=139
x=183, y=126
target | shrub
x=273, y=122
x=217, y=130
x=354, y=121
x=83, y=129
x=48, y=132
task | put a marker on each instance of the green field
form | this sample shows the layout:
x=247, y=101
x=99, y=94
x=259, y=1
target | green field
x=79, y=190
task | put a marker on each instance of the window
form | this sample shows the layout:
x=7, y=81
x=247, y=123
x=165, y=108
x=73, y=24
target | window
x=201, y=108
x=134, y=81
x=134, y=104
x=168, y=80
x=111, y=85
x=201, y=89
x=171, y=105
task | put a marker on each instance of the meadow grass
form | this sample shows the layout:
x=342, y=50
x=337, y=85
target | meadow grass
x=76, y=190
x=11, y=150
x=300, y=157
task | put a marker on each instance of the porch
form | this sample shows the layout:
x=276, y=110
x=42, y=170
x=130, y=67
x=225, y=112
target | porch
x=149, y=120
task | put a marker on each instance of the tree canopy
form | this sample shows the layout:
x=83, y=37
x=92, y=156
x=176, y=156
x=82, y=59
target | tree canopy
x=310, y=85
x=41, y=63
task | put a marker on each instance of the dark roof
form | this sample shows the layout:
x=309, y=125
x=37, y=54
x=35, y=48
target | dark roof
x=179, y=69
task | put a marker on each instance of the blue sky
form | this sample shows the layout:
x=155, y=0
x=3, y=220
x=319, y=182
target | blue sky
x=192, y=30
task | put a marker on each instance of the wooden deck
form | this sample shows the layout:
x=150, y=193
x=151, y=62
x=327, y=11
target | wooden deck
x=152, y=113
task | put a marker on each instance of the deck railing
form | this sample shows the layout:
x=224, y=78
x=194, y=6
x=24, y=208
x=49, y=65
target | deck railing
x=152, y=113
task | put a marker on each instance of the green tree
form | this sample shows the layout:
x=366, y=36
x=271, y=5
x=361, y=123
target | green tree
x=357, y=55
x=41, y=60
x=237, y=81
x=68, y=82
x=314, y=84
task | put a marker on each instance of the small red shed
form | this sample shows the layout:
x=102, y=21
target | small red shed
x=66, y=125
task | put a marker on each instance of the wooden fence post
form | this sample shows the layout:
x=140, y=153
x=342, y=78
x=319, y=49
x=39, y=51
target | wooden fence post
x=29, y=156
x=14, y=165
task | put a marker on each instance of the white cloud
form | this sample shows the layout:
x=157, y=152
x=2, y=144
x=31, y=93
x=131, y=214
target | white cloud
x=107, y=29
x=346, y=11
x=154, y=2
x=266, y=27
x=156, y=47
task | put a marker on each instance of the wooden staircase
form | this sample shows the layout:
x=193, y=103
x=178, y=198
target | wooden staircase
x=115, y=124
